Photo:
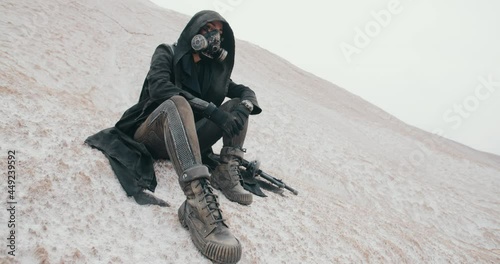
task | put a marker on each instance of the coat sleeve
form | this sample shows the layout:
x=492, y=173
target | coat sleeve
x=159, y=78
x=244, y=93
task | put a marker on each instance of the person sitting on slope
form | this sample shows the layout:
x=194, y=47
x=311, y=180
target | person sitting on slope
x=180, y=115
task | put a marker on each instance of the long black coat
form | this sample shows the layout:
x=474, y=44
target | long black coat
x=171, y=73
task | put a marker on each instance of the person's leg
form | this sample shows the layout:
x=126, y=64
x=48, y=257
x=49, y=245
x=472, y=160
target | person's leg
x=226, y=176
x=150, y=134
x=170, y=132
x=209, y=133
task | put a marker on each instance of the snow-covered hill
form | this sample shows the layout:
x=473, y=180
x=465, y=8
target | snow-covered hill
x=372, y=189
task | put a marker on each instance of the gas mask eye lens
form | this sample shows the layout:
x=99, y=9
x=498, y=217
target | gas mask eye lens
x=209, y=28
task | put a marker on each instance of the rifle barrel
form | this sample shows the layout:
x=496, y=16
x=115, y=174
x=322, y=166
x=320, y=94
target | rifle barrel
x=270, y=178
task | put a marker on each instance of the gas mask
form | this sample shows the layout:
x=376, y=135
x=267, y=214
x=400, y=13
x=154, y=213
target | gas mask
x=208, y=45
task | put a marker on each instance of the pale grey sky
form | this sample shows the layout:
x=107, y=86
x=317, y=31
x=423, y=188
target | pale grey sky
x=432, y=64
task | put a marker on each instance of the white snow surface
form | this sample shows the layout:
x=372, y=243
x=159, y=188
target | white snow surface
x=372, y=189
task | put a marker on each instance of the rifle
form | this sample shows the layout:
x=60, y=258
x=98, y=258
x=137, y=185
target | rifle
x=252, y=168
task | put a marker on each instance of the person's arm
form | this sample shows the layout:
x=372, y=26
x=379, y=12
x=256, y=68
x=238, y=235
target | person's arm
x=160, y=87
x=244, y=93
x=226, y=121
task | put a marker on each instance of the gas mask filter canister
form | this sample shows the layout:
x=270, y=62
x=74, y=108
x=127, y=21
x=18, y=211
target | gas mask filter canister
x=209, y=45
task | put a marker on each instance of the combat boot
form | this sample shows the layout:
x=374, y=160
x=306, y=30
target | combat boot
x=201, y=215
x=227, y=177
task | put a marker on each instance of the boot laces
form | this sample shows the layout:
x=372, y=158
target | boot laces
x=212, y=203
x=234, y=170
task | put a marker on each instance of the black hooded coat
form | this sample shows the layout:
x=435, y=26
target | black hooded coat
x=172, y=72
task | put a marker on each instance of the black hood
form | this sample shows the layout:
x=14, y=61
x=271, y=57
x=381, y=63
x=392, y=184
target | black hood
x=193, y=27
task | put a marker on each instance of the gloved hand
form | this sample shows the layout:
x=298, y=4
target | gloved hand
x=226, y=121
x=241, y=114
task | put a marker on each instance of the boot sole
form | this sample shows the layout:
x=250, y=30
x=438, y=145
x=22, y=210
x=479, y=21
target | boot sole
x=215, y=252
x=244, y=199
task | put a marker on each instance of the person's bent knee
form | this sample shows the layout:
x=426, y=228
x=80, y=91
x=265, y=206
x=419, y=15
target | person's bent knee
x=181, y=103
x=159, y=116
x=179, y=100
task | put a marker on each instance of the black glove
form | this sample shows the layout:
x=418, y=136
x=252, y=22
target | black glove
x=241, y=114
x=226, y=121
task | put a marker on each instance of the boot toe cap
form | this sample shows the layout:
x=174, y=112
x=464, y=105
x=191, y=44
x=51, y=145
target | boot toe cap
x=229, y=251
